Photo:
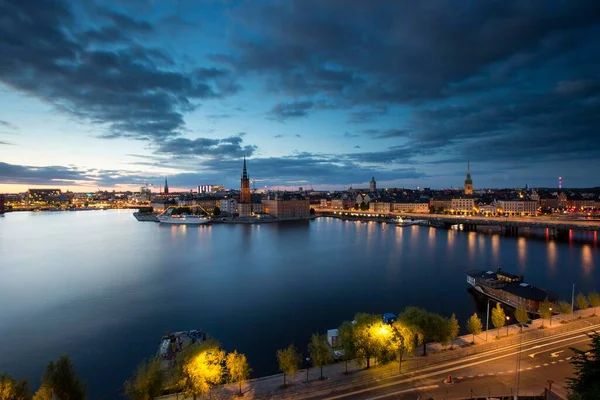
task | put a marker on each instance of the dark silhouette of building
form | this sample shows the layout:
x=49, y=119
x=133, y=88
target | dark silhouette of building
x=245, y=186
x=373, y=185
x=468, y=181
x=166, y=191
x=2, y=204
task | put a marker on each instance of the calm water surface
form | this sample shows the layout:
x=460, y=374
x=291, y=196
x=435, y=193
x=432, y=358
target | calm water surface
x=103, y=288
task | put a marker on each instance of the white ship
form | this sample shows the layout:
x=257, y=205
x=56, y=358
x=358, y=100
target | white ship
x=182, y=219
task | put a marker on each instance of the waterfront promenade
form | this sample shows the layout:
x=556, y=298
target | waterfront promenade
x=543, y=222
x=487, y=363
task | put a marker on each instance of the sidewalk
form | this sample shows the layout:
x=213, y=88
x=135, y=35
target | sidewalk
x=269, y=387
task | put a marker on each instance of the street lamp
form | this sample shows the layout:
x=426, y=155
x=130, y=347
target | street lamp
x=307, y=367
x=487, y=319
x=550, y=315
x=507, y=319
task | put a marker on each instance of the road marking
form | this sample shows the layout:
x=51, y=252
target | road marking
x=460, y=377
x=528, y=368
x=537, y=366
x=556, y=353
x=383, y=396
x=532, y=355
x=561, y=360
x=470, y=376
x=568, y=358
x=510, y=371
x=480, y=375
x=491, y=373
x=546, y=364
x=553, y=362
x=500, y=373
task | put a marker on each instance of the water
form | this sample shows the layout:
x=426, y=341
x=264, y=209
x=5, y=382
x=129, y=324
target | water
x=103, y=288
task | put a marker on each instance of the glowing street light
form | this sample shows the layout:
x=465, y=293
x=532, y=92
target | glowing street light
x=507, y=319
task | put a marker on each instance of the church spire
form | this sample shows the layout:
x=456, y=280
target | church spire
x=166, y=191
x=244, y=172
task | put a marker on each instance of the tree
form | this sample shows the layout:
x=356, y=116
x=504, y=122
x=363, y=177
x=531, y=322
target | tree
x=453, y=328
x=594, y=299
x=238, y=368
x=364, y=337
x=563, y=307
x=404, y=338
x=356, y=207
x=474, y=326
x=147, y=382
x=431, y=326
x=216, y=211
x=319, y=351
x=581, y=301
x=201, y=368
x=545, y=311
x=60, y=378
x=498, y=317
x=289, y=361
x=346, y=334
x=12, y=389
x=522, y=317
x=585, y=385
x=364, y=206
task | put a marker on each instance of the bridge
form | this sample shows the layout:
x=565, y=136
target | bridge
x=509, y=225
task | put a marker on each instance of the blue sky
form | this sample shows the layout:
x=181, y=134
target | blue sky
x=100, y=94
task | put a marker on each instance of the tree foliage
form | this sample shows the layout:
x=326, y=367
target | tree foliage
x=12, y=389
x=201, y=368
x=319, y=351
x=346, y=335
x=404, y=340
x=453, y=327
x=585, y=385
x=522, y=316
x=289, y=361
x=474, y=325
x=238, y=368
x=545, y=310
x=147, y=382
x=498, y=317
x=60, y=377
x=365, y=345
x=581, y=301
x=431, y=326
x=563, y=307
x=594, y=299
x=216, y=211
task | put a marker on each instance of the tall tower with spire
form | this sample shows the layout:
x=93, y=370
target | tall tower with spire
x=468, y=181
x=373, y=185
x=245, y=185
x=166, y=191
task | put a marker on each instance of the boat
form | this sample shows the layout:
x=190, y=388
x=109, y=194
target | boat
x=509, y=289
x=181, y=219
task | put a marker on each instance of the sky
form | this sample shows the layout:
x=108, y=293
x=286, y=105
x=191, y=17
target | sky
x=323, y=94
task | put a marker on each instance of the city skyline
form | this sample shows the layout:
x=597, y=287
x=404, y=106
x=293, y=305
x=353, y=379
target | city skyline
x=313, y=94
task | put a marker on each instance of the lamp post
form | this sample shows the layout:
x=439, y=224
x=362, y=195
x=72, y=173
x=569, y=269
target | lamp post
x=487, y=319
x=507, y=319
x=307, y=367
x=550, y=308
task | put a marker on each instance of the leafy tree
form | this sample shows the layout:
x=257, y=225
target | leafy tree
x=594, y=299
x=563, y=307
x=585, y=385
x=453, y=328
x=346, y=335
x=522, y=317
x=319, y=351
x=201, y=368
x=289, y=361
x=364, y=340
x=312, y=211
x=581, y=301
x=474, y=326
x=364, y=206
x=238, y=368
x=431, y=326
x=498, y=317
x=356, y=207
x=60, y=378
x=216, y=211
x=11, y=389
x=404, y=339
x=147, y=382
x=545, y=310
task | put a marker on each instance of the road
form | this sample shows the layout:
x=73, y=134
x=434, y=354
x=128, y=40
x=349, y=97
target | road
x=489, y=373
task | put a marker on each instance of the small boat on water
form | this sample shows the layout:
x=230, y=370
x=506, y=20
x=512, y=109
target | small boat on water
x=181, y=219
x=509, y=289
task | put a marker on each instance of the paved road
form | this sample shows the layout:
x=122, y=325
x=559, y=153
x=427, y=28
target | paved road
x=492, y=372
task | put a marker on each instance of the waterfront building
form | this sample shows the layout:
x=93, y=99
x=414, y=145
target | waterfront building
x=342, y=204
x=199, y=203
x=161, y=204
x=45, y=196
x=380, y=206
x=562, y=200
x=244, y=209
x=373, y=185
x=581, y=204
x=228, y=206
x=258, y=208
x=468, y=181
x=287, y=208
x=325, y=203
x=518, y=207
x=462, y=205
x=411, y=207
x=203, y=189
x=440, y=205
x=362, y=198
x=488, y=209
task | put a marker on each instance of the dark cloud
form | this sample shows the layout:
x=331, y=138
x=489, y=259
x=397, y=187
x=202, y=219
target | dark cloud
x=7, y=125
x=278, y=136
x=125, y=89
x=388, y=133
x=357, y=147
x=10, y=173
x=6, y=143
x=283, y=111
x=217, y=117
x=230, y=147
x=362, y=116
